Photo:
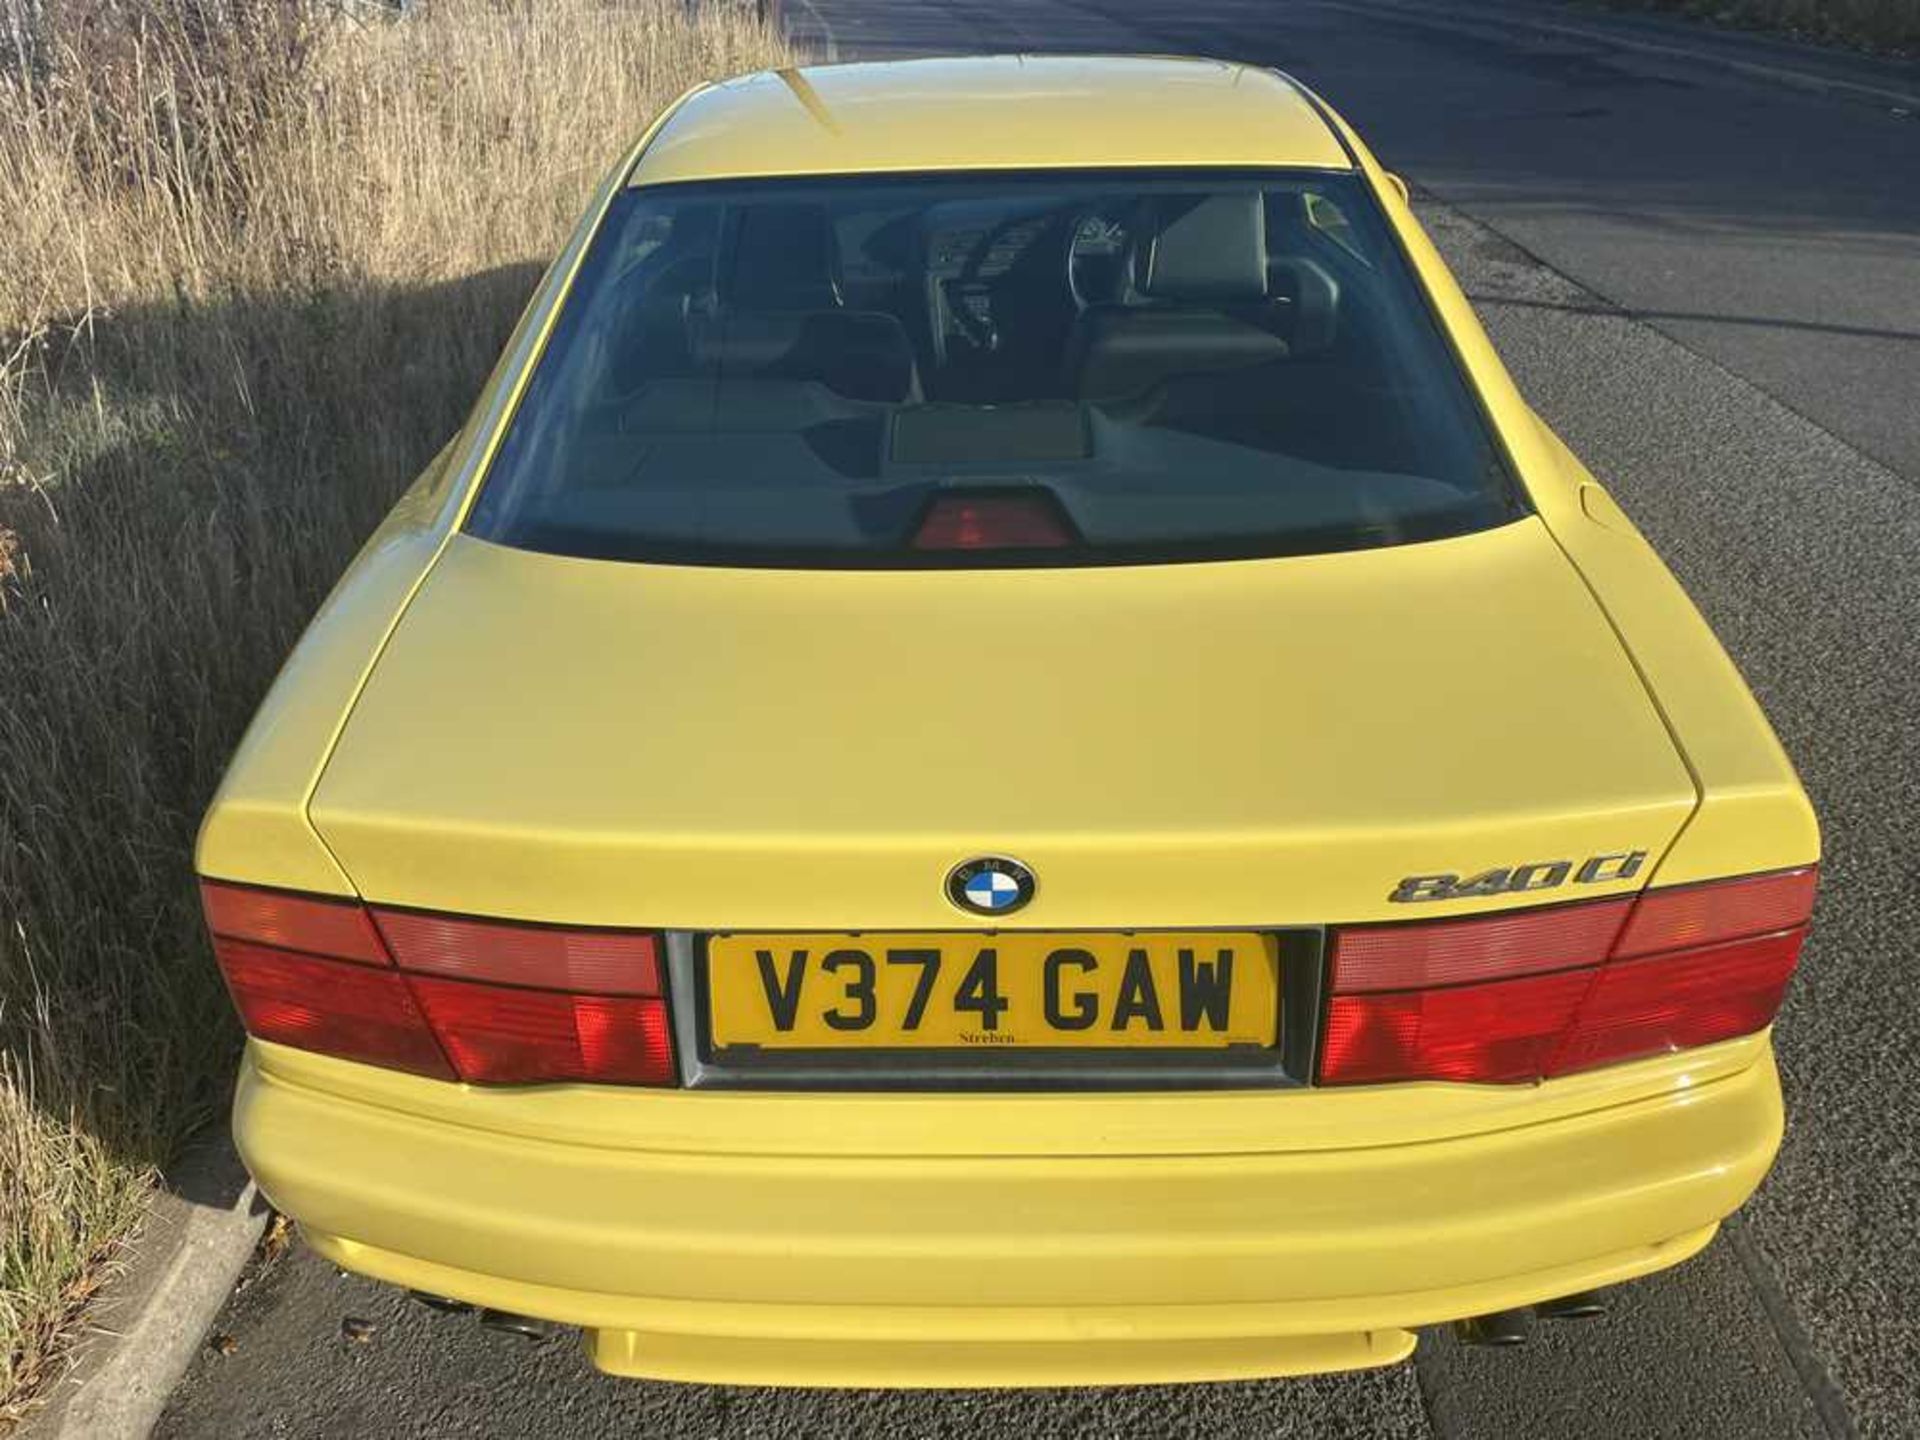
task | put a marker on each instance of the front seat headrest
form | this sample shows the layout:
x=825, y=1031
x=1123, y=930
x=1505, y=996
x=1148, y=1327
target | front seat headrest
x=783, y=259
x=1214, y=253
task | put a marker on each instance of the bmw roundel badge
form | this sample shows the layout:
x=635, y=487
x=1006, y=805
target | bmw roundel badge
x=990, y=885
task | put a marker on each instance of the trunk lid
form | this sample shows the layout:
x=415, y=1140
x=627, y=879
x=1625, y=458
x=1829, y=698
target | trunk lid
x=1259, y=742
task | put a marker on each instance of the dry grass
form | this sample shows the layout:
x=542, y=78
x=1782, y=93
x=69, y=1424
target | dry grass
x=1885, y=25
x=254, y=271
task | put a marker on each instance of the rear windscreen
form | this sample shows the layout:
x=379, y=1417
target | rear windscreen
x=1104, y=368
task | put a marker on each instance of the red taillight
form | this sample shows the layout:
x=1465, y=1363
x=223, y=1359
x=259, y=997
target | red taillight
x=1453, y=952
x=593, y=962
x=1657, y=1003
x=1692, y=915
x=476, y=1000
x=1533, y=994
x=333, y=1006
x=993, y=522
x=504, y=1036
x=338, y=928
x=1503, y=1030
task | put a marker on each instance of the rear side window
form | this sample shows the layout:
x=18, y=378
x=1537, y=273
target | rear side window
x=1118, y=367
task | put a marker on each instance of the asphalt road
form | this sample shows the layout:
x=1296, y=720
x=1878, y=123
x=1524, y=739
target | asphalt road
x=1702, y=262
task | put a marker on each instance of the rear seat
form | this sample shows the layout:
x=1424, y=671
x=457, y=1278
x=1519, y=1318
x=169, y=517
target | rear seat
x=780, y=314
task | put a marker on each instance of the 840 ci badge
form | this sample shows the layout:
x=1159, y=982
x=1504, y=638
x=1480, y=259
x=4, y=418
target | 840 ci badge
x=1519, y=879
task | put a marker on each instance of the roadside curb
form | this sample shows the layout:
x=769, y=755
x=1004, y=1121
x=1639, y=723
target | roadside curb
x=148, y=1321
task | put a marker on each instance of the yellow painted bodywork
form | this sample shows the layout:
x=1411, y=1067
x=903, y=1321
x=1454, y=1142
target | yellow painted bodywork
x=259, y=816
x=1025, y=112
x=1245, y=743
x=1030, y=1239
x=701, y=748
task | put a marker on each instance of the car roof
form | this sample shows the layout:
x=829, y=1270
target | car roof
x=996, y=112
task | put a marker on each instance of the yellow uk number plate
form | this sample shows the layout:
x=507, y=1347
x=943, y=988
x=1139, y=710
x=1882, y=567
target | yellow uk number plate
x=1028, y=990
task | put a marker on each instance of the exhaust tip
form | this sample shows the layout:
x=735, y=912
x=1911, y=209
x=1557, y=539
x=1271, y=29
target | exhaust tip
x=525, y=1326
x=439, y=1303
x=1500, y=1328
x=1582, y=1305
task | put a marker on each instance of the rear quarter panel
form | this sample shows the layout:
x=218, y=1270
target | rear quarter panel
x=1752, y=813
x=257, y=828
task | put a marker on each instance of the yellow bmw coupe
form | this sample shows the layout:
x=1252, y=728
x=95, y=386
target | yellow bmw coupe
x=1003, y=755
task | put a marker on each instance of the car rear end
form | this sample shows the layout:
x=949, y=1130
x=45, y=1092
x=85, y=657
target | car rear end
x=1014, y=778
x=942, y=1238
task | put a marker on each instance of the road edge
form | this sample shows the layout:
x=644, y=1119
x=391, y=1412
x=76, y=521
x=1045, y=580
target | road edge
x=1675, y=39
x=145, y=1326
x=1828, y=1401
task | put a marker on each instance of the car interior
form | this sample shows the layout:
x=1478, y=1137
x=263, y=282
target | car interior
x=809, y=364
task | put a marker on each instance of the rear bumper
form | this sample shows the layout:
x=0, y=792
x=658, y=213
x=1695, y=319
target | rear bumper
x=969, y=1240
